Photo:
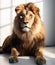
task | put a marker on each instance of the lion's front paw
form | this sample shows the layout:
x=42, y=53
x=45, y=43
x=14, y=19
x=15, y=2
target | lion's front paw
x=40, y=61
x=12, y=59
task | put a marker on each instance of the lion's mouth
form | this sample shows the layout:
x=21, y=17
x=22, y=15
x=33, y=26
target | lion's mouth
x=25, y=29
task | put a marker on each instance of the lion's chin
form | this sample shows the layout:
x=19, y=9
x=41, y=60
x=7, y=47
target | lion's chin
x=25, y=29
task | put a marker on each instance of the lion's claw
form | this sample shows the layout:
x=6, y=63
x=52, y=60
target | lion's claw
x=13, y=60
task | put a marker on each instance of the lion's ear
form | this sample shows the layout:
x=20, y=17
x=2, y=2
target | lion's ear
x=16, y=9
x=19, y=8
x=34, y=8
x=38, y=11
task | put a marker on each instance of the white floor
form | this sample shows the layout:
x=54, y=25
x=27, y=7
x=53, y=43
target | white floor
x=49, y=54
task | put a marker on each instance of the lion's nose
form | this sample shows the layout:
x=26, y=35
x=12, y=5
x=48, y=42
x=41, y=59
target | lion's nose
x=25, y=22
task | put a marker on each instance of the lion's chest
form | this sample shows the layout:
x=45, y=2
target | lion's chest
x=26, y=45
x=27, y=41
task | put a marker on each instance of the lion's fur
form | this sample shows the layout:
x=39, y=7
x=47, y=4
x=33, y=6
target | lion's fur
x=27, y=43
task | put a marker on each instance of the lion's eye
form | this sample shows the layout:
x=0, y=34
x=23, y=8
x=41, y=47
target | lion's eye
x=31, y=15
x=21, y=17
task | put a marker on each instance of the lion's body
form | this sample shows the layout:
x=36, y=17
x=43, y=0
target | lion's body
x=26, y=39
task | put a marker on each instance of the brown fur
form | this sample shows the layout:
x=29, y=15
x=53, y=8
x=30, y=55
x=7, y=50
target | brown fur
x=26, y=42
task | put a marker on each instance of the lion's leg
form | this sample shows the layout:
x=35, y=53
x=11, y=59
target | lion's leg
x=39, y=56
x=14, y=55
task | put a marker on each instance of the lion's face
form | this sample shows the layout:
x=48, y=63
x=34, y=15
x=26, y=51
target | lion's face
x=25, y=17
x=25, y=20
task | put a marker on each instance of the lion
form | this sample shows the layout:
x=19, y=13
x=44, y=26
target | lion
x=28, y=35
